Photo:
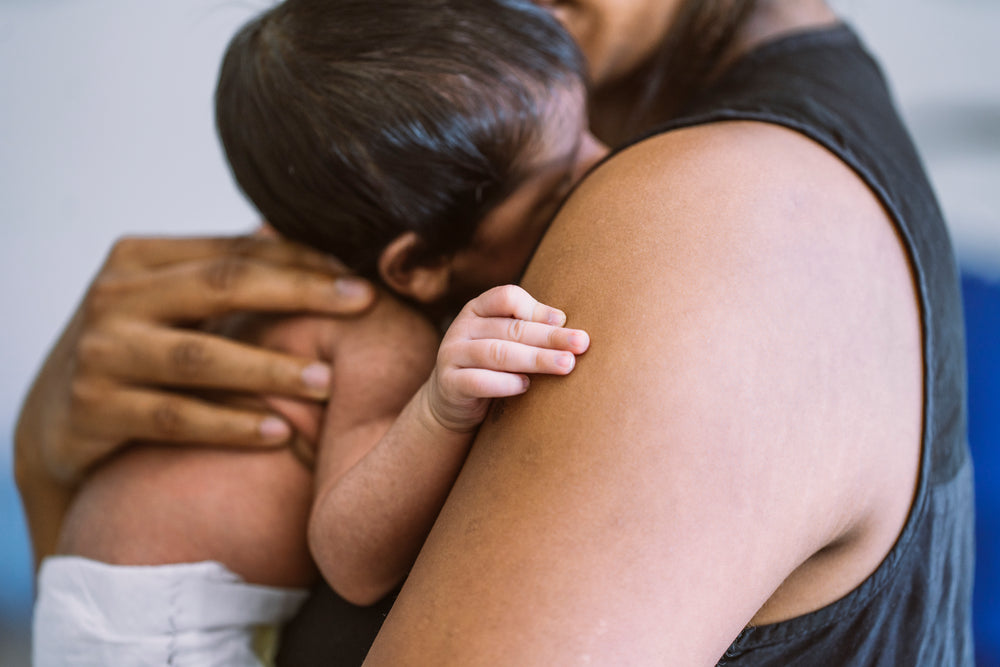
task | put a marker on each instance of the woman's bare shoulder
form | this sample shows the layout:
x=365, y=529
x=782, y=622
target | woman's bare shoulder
x=751, y=396
x=758, y=284
x=714, y=164
x=748, y=220
x=750, y=242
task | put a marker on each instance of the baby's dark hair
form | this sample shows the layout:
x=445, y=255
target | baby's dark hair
x=350, y=122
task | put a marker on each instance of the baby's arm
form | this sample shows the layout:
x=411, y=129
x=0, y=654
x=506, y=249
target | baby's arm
x=370, y=520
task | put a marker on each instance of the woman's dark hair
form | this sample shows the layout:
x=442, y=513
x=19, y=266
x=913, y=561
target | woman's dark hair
x=350, y=122
x=701, y=34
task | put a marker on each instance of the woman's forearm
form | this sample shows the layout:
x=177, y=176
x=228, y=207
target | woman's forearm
x=44, y=496
x=45, y=503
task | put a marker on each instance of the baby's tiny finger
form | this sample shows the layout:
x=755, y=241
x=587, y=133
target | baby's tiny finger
x=514, y=301
x=534, y=334
x=504, y=355
x=483, y=383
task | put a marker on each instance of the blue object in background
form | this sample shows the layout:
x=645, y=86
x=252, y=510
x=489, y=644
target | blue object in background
x=15, y=573
x=982, y=326
x=15, y=555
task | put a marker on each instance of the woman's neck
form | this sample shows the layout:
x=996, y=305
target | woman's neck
x=612, y=110
x=772, y=19
x=612, y=107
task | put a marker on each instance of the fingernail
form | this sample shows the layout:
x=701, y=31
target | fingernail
x=578, y=340
x=565, y=361
x=353, y=288
x=557, y=317
x=273, y=429
x=316, y=376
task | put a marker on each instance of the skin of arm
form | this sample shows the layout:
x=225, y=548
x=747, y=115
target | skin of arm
x=44, y=497
x=381, y=478
x=748, y=419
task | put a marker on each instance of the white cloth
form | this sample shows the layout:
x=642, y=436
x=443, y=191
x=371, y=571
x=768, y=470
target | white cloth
x=197, y=614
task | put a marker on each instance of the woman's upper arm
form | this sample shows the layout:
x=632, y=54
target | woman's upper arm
x=642, y=510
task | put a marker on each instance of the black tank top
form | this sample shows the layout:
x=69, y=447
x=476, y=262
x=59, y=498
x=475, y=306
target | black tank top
x=915, y=609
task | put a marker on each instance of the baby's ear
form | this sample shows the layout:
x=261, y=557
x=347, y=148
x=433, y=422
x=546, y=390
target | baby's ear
x=404, y=271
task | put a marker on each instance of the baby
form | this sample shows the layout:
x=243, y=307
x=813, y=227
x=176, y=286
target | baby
x=395, y=136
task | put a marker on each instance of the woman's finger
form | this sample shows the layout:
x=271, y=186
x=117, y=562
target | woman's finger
x=200, y=289
x=151, y=355
x=529, y=333
x=483, y=383
x=510, y=357
x=145, y=252
x=143, y=414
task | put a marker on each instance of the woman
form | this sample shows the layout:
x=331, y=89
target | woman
x=762, y=458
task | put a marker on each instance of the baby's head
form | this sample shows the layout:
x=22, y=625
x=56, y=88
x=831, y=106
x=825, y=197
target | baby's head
x=424, y=143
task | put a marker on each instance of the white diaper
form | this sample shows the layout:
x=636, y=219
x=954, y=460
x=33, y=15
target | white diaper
x=190, y=614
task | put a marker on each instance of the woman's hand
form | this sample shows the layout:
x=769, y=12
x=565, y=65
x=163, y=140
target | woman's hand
x=129, y=362
x=496, y=339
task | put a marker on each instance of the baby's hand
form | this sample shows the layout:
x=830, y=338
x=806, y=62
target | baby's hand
x=497, y=338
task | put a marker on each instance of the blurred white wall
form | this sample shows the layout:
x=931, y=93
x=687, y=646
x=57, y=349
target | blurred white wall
x=106, y=128
x=943, y=59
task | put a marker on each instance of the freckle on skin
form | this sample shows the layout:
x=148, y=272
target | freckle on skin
x=496, y=412
x=188, y=357
x=167, y=420
x=222, y=274
x=472, y=527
